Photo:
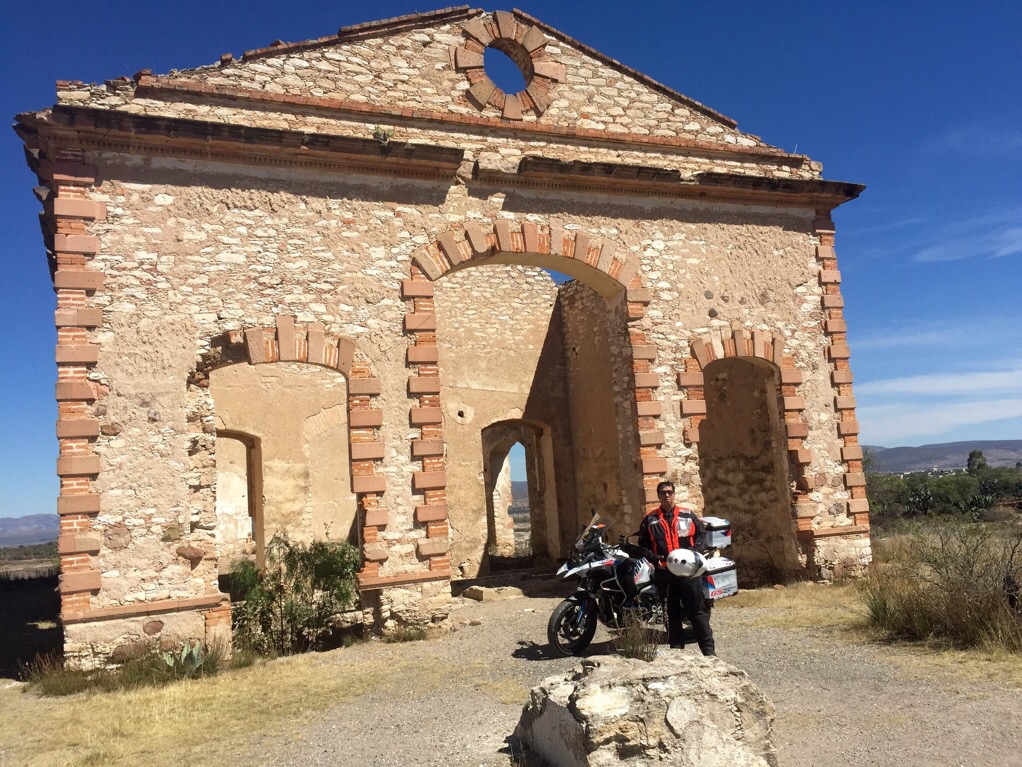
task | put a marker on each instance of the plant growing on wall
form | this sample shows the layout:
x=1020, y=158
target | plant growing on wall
x=290, y=605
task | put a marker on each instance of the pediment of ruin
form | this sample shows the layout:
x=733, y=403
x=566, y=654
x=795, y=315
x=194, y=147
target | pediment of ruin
x=426, y=67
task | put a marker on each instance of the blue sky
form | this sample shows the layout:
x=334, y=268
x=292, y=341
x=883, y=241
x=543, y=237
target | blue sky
x=918, y=100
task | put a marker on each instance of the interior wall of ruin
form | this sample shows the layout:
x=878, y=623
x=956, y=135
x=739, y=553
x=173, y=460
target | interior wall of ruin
x=497, y=331
x=236, y=523
x=595, y=426
x=299, y=414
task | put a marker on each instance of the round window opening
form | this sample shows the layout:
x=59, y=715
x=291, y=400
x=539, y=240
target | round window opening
x=508, y=64
x=504, y=72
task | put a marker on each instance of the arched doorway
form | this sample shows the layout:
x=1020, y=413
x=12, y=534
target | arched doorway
x=522, y=528
x=574, y=358
x=295, y=413
x=239, y=498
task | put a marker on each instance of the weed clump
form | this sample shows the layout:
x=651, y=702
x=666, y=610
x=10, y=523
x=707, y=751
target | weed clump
x=49, y=675
x=406, y=634
x=951, y=583
x=636, y=638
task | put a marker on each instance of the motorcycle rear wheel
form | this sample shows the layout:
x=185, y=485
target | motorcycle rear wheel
x=564, y=631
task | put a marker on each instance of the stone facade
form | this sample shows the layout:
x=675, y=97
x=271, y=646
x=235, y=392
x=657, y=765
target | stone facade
x=304, y=291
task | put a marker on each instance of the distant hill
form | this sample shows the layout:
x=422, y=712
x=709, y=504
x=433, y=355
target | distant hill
x=35, y=528
x=946, y=456
x=520, y=491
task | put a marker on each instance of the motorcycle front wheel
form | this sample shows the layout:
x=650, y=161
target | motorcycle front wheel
x=572, y=626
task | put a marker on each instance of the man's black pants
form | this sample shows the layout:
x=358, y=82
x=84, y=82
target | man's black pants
x=685, y=600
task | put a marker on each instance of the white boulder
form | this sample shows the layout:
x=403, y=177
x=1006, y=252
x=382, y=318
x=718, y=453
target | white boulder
x=679, y=710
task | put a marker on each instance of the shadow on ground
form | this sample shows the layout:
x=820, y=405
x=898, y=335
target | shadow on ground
x=28, y=622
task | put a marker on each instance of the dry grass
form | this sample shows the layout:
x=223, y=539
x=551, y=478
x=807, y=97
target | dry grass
x=998, y=667
x=945, y=585
x=837, y=613
x=637, y=639
x=203, y=720
x=835, y=608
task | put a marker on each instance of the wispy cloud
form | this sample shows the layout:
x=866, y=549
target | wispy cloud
x=982, y=237
x=943, y=384
x=903, y=421
x=980, y=141
x=884, y=228
x=999, y=331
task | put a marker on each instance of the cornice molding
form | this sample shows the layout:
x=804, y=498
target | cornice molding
x=635, y=180
x=104, y=130
x=111, y=131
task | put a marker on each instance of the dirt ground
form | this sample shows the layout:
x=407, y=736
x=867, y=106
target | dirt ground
x=455, y=700
x=838, y=703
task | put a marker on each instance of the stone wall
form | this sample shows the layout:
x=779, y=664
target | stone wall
x=596, y=432
x=367, y=213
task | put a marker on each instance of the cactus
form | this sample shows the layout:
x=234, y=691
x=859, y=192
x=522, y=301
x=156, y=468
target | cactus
x=187, y=660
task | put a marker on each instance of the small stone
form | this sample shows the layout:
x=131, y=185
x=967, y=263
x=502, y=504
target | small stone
x=117, y=537
x=128, y=651
x=487, y=594
x=191, y=553
x=152, y=628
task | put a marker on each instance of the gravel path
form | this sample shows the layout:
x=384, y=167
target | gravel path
x=837, y=703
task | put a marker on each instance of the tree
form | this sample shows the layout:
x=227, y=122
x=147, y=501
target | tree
x=976, y=463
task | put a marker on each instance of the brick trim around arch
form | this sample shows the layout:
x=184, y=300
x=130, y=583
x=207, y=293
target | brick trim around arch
x=740, y=343
x=289, y=341
x=477, y=241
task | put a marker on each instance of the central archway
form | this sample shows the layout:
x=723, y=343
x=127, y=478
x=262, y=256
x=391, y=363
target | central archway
x=626, y=400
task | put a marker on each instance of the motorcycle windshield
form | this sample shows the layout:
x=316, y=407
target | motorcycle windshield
x=593, y=528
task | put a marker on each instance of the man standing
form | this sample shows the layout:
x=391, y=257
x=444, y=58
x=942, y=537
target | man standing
x=663, y=530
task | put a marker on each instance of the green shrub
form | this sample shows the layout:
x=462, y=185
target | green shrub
x=946, y=582
x=290, y=606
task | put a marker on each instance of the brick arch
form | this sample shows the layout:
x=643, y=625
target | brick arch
x=593, y=259
x=601, y=263
x=289, y=341
x=769, y=347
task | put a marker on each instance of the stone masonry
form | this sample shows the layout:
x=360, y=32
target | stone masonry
x=309, y=290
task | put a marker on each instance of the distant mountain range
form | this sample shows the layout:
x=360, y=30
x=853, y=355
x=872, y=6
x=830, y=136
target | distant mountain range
x=23, y=531
x=945, y=456
x=520, y=491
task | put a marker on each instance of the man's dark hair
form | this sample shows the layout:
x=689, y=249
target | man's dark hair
x=666, y=483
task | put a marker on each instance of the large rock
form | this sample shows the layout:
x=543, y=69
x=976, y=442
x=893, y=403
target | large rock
x=678, y=710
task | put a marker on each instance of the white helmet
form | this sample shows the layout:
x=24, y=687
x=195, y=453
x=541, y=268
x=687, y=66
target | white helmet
x=686, y=563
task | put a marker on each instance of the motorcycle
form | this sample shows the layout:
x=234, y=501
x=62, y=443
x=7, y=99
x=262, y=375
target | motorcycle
x=600, y=597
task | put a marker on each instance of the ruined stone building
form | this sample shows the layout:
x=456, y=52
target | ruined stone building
x=313, y=289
